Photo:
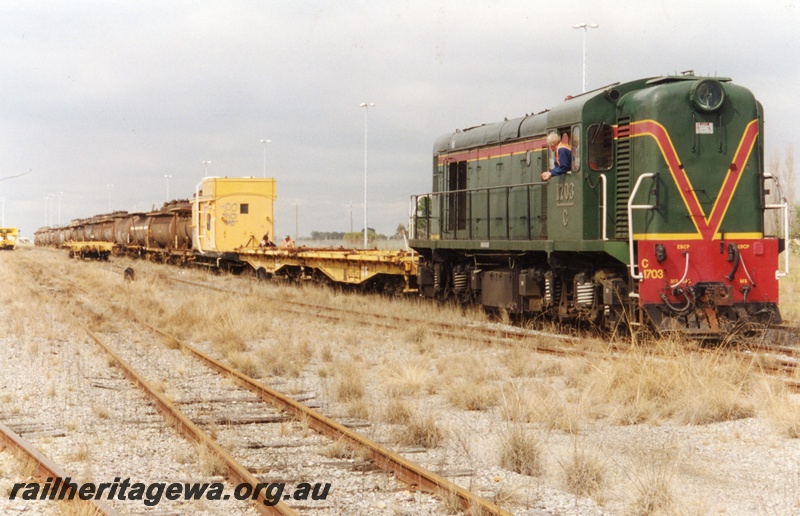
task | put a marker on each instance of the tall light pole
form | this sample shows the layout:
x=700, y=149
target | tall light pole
x=206, y=163
x=585, y=27
x=167, y=177
x=265, y=142
x=366, y=106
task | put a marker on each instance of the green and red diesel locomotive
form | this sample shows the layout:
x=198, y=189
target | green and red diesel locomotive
x=661, y=220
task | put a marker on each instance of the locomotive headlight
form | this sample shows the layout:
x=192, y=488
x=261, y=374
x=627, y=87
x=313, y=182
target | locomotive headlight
x=707, y=95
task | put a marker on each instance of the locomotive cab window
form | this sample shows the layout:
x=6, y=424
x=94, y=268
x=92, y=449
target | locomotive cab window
x=600, y=147
x=575, y=143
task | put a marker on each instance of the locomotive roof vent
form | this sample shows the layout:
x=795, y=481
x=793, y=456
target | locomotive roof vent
x=707, y=95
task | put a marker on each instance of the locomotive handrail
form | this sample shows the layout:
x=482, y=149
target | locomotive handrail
x=415, y=199
x=784, y=207
x=632, y=207
x=483, y=188
x=605, y=206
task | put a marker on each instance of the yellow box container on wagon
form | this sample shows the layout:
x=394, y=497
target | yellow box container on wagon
x=8, y=238
x=230, y=213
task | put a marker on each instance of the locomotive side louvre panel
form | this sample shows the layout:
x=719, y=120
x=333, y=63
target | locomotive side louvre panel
x=623, y=176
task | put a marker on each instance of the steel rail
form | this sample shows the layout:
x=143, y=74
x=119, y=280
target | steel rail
x=46, y=468
x=385, y=459
x=236, y=473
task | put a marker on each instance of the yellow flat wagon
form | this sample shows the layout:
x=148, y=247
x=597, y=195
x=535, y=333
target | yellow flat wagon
x=370, y=269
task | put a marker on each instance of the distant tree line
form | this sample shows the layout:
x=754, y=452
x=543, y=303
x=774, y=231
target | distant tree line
x=358, y=236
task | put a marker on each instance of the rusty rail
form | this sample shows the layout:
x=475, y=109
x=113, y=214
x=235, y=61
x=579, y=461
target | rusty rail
x=45, y=468
x=387, y=460
x=236, y=473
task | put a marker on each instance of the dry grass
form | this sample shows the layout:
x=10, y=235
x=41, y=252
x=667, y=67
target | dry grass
x=396, y=411
x=358, y=409
x=789, y=287
x=210, y=463
x=472, y=395
x=469, y=364
x=339, y=449
x=100, y=411
x=780, y=408
x=420, y=430
x=520, y=452
x=348, y=384
x=246, y=363
x=652, y=479
x=536, y=402
x=77, y=508
x=285, y=359
x=81, y=454
x=649, y=386
x=585, y=474
x=404, y=377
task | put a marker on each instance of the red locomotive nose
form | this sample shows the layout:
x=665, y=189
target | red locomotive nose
x=727, y=273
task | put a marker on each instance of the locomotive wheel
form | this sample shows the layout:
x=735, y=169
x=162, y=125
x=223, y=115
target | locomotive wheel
x=262, y=274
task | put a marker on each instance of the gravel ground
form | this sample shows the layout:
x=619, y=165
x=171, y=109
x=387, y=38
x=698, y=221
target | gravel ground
x=59, y=392
x=738, y=466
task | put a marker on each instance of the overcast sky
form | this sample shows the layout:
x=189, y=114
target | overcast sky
x=122, y=93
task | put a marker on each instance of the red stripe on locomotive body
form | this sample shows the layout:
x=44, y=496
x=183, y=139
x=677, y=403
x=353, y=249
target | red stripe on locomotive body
x=496, y=151
x=743, y=152
x=706, y=226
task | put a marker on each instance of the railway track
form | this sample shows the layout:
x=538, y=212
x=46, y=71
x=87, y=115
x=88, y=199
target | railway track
x=778, y=359
x=46, y=471
x=197, y=416
x=271, y=299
